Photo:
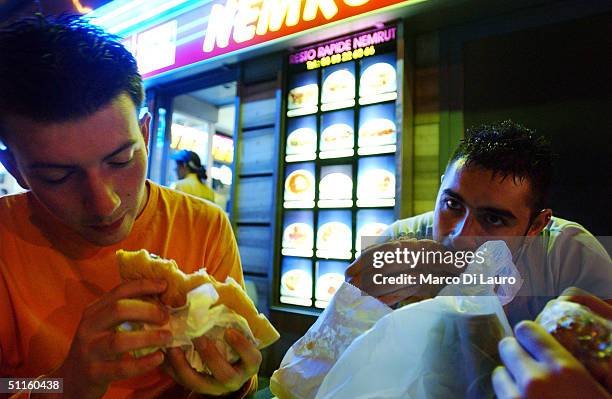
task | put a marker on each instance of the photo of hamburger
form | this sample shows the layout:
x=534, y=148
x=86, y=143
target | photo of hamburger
x=303, y=96
x=336, y=186
x=376, y=79
x=298, y=236
x=376, y=183
x=296, y=283
x=377, y=132
x=338, y=86
x=334, y=236
x=337, y=136
x=302, y=140
x=327, y=285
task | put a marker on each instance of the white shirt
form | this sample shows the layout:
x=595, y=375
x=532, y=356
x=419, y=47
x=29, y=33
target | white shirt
x=564, y=255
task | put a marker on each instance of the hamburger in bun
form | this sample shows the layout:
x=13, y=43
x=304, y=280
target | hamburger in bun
x=134, y=265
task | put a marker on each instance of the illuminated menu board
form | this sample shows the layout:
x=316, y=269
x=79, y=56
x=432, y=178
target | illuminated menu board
x=338, y=165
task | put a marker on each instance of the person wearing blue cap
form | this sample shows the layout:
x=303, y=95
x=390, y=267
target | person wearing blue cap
x=192, y=175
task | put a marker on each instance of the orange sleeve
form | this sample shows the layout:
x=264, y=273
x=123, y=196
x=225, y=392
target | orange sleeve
x=224, y=255
x=8, y=337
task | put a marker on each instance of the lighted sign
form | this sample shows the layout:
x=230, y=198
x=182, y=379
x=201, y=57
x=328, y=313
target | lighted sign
x=222, y=149
x=208, y=29
x=343, y=50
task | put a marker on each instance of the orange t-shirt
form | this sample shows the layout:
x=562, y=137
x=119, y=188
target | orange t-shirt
x=49, y=274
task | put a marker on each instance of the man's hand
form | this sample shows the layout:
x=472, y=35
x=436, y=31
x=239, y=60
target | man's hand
x=99, y=354
x=225, y=378
x=537, y=366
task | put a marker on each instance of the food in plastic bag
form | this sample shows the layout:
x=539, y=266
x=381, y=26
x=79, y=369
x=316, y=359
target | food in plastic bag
x=584, y=334
x=445, y=347
x=306, y=363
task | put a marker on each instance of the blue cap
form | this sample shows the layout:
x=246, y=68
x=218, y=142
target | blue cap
x=182, y=156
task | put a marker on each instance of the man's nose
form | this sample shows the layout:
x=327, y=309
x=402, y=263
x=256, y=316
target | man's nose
x=100, y=197
x=466, y=234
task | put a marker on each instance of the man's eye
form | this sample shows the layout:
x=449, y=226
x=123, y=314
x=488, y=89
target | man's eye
x=494, y=220
x=120, y=163
x=55, y=179
x=452, y=204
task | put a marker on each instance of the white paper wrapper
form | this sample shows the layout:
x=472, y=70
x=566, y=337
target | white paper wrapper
x=197, y=318
x=306, y=363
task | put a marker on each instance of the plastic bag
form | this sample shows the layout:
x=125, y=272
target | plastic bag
x=306, y=363
x=445, y=347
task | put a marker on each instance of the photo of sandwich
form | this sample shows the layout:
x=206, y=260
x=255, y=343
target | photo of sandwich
x=334, y=236
x=376, y=79
x=376, y=183
x=377, y=132
x=369, y=230
x=302, y=140
x=299, y=185
x=298, y=236
x=338, y=86
x=327, y=285
x=296, y=283
x=303, y=96
x=336, y=186
x=337, y=136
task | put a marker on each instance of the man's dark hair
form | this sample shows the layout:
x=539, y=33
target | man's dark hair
x=509, y=149
x=55, y=69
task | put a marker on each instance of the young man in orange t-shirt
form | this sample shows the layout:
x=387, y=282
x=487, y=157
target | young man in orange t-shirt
x=72, y=137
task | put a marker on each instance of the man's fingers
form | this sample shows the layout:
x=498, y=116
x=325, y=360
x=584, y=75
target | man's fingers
x=127, y=367
x=137, y=288
x=219, y=367
x=518, y=362
x=573, y=294
x=503, y=384
x=120, y=311
x=188, y=377
x=541, y=345
x=248, y=352
x=114, y=344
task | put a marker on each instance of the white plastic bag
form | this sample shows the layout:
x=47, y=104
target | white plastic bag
x=306, y=363
x=445, y=347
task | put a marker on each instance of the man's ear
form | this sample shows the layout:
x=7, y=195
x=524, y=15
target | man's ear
x=8, y=160
x=540, y=222
x=145, y=128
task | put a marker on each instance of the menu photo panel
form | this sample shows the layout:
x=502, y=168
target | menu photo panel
x=376, y=181
x=371, y=223
x=296, y=281
x=303, y=97
x=338, y=88
x=337, y=134
x=299, y=185
x=298, y=234
x=335, y=234
x=301, y=142
x=378, y=80
x=377, y=129
x=329, y=276
x=336, y=187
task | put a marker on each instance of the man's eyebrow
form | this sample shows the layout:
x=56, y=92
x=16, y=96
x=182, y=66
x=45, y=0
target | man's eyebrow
x=496, y=211
x=45, y=165
x=120, y=149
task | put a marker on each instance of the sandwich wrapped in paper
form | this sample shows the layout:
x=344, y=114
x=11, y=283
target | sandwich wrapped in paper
x=199, y=306
x=445, y=347
x=584, y=334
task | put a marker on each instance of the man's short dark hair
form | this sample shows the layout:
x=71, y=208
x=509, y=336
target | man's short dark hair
x=509, y=149
x=55, y=69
